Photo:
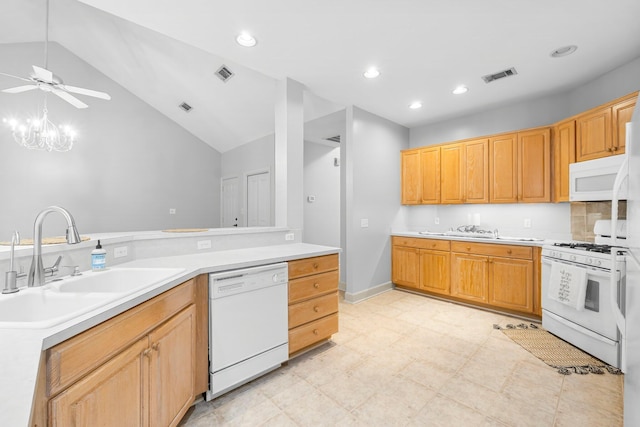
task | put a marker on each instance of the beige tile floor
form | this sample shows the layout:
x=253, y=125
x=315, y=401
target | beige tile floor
x=406, y=360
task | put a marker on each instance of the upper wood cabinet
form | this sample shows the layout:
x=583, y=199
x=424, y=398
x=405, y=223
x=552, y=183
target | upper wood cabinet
x=410, y=177
x=564, y=153
x=476, y=171
x=600, y=132
x=503, y=163
x=520, y=167
x=534, y=166
x=430, y=172
x=452, y=173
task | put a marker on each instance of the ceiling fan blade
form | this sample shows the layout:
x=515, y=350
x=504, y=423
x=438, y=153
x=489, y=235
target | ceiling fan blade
x=19, y=89
x=88, y=92
x=69, y=98
x=15, y=77
x=43, y=74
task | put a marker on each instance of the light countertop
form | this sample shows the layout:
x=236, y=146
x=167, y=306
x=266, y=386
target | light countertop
x=21, y=349
x=502, y=240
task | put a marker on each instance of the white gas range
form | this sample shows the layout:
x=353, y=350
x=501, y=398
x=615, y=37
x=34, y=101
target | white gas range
x=578, y=300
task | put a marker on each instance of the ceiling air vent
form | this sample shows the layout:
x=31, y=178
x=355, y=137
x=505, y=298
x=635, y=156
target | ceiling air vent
x=499, y=75
x=334, y=139
x=185, y=107
x=224, y=73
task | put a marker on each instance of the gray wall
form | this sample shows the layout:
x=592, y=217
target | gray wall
x=321, y=180
x=128, y=167
x=372, y=186
x=250, y=157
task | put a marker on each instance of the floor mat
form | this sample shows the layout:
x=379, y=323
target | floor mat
x=555, y=352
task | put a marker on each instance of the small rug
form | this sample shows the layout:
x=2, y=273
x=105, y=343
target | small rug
x=555, y=352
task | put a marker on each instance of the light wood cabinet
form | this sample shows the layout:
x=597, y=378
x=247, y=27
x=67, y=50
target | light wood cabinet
x=564, y=153
x=410, y=177
x=504, y=277
x=600, y=132
x=313, y=301
x=452, y=175
x=476, y=171
x=430, y=168
x=534, y=166
x=503, y=163
x=138, y=368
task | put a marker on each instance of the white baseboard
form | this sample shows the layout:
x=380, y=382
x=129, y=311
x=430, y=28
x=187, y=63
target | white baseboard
x=357, y=297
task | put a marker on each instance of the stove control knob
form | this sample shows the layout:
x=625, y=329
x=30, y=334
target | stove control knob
x=572, y=257
x=598, y=262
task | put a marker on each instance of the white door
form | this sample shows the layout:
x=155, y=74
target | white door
x=259, y=200
x=230, y=206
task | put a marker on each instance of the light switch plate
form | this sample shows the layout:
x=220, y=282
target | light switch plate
x=527, y=223
x=289, y=236
x=364, y=222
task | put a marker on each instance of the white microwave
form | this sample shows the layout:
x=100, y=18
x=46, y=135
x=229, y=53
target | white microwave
x=592, y=180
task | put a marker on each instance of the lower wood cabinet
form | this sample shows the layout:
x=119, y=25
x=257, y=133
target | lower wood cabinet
x=505, y=277
x=313, y=301
x=137, y=369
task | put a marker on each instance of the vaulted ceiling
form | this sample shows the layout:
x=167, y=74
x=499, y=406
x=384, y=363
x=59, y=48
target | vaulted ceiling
x=166, y=52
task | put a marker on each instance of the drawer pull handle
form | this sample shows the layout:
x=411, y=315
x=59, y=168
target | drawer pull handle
x=316, y=309
x=316, y=285
x=315, y=332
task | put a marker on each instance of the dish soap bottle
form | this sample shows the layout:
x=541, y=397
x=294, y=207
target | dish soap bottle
x=98, y=258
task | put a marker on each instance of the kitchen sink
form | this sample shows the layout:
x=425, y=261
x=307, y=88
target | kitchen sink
x=117, y=280
x=37, y=308
x=59, y=301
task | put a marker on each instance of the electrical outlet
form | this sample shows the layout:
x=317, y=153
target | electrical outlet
x=436, y=221
x=120, y=252
x=289, y=236
x=172, y=211
x=527, y=223
x=204, y=244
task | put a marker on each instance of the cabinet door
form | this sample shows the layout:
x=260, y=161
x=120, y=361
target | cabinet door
x=469, y=277
x=503, y=173
x=430, y=166
x=534, y=166
x=452, y=174
x=477, y=171
x=404, y=266
x=622, y=113
x=593, y=135
x=564, y=153
x=435, y=271
x=411, y=178
x=109, y=396
x=172, y=369
x=511, y=284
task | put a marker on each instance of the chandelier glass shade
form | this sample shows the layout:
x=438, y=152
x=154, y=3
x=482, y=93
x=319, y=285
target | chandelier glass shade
x=40, y=133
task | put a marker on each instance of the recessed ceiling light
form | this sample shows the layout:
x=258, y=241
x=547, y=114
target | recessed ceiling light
x=564, y=51
x=246, y=40
x=415, y=105
x=460, y=90
x=372, y=73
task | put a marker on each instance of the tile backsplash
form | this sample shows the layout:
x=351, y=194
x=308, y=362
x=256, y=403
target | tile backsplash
x=585, y=214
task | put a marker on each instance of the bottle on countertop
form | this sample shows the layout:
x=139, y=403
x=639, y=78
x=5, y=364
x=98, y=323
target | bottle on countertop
x=98, y=258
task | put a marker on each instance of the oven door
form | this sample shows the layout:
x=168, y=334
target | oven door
x=597, y=314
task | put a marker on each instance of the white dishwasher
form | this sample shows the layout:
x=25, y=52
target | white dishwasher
x=248, y=325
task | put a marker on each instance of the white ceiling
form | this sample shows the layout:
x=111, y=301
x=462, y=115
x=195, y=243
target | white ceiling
x=166, y=52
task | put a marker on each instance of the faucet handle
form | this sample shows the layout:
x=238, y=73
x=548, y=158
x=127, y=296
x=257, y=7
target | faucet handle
x=51, y=270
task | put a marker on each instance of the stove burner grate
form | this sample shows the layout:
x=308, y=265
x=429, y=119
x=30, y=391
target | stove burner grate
x=590, y=247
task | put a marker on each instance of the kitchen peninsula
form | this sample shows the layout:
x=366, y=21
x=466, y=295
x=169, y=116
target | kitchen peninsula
x=24, y=348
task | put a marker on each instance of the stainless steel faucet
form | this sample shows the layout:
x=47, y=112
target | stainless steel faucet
x=36, y=272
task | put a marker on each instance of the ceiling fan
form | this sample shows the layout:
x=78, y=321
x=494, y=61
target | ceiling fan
x=45, y=80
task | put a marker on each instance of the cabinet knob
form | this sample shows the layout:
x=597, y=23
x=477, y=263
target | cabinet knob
x=156, y=346
x=316, y=309
x=316, y=285
x=315, y=265
x=315, y=332
x=146, y=352
x=509, y=251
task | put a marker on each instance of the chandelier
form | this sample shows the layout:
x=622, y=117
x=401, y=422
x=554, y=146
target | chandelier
x=40, y=133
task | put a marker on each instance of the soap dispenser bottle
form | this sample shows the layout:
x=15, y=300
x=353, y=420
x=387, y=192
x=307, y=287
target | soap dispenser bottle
x=98, y=258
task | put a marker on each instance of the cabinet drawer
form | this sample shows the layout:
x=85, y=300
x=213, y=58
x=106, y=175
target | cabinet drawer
x=306, y=311
x=311, y=333
x=312, y=286
x=308, y=266
x=71, y=359
x=415, y=242
x=507, y=251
